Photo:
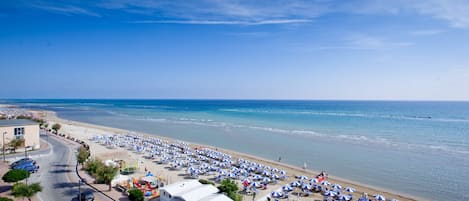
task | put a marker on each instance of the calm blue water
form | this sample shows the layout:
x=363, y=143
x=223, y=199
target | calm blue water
x=418, y=148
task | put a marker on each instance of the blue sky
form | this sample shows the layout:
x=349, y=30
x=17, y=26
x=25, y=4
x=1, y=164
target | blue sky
x=324, y=49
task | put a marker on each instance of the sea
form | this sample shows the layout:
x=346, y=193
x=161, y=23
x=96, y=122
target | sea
x=415, y=148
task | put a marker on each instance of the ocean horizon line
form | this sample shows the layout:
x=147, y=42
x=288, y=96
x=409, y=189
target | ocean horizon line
x=241, y=99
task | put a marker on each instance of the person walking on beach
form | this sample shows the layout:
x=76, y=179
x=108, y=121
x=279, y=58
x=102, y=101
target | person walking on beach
x=253, y=195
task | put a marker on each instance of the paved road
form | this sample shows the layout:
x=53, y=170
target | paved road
x=54, y=173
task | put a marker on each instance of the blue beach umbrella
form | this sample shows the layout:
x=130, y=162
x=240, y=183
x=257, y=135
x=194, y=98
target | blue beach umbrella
x=380, y=198
x=276, y=194
x=330, y=193
x=336, y=186
x=302, y=177
x=283, y=172
x=314, y=181
x=295, y=184
x=350, y=189
x=256, y=184
x=306, y=186
x=287, y=188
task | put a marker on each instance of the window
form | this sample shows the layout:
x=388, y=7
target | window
x=19, y=133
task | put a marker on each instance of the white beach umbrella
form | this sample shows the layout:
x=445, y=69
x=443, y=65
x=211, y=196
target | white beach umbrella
x=302, y=177
x=380, y=198
x=257, y=177
x=274, y=170
x=314, y=181
x=231, y=175
x=275, y=176
x=287, y=188
x=256, y=184
x=330, y=193
x=295, y=184
x=394, y=200
x=325, y=183
x=350, y=189
x=283, y=172
x=344, y=197
x=276, y=194
x=266, y=180
x=246, y=180
x=336, y=186
x=306, y=186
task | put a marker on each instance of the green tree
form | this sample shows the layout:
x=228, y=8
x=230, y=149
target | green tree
x=92, y=166
x=45, y=125
x=83, y=154
x=26, y=191
x=5, y=199
x=56, y=127
x=105, y=174
x=136, y=195
x=230, y=188
x=15, y=143
x=15, y=175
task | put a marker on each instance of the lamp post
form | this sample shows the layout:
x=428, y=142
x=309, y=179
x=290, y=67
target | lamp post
x=3, y=142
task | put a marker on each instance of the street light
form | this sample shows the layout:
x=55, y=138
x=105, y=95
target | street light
x=3, y=142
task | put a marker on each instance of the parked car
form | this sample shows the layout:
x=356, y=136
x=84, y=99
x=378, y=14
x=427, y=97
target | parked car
x=86, y=196
x=30, y=168
x=23, y=160
x=24, y=165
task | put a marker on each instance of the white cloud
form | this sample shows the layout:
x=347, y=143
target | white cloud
x=67, y=10
x=426, y=32
x=225, y=22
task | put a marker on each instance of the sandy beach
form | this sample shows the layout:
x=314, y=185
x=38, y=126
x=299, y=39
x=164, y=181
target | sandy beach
x=84, y=131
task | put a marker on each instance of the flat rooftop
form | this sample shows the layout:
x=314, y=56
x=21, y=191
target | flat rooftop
x=17, y=122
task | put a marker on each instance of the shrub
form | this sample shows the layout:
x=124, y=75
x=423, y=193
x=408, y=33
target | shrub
x=204, y=181
x=5, y=199
x=15, y=175
x=25, y=190
x=136, y=195
x=83, y=154
x=92, y=166
x=56, y=127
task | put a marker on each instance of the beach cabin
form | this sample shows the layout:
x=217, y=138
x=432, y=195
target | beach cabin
x=191, y=190
x=20, y=129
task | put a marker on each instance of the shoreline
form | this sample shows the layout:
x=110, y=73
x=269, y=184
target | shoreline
x=52, y=116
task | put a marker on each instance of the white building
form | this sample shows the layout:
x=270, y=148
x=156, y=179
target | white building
x=191, y=190
x=20, y=129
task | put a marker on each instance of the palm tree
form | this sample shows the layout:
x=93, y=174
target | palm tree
x=26, y=191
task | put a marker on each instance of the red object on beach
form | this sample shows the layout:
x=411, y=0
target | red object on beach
x=246, y=183
x=320, y=179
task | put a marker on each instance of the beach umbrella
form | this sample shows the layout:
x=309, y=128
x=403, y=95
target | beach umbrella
x=266, y=173
x=276, y=194
x=275, y=176
x=222, y=172
x=394, y=200
x=283, y=172
x=314, y=181
x=325, y=183
x=302, y=177
x=350, y=189
x=274, y=170
x=380, y=198
x=287, y=188
x=232, y=175
x=243, y=166
x=344, y=197
x=330, y=193
x=256, y=184
x=266, y=180
x=336, y=186
x=306, y=186
x=246, y=180
x=234, y=169
x=295, y=184
x=257, y=177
